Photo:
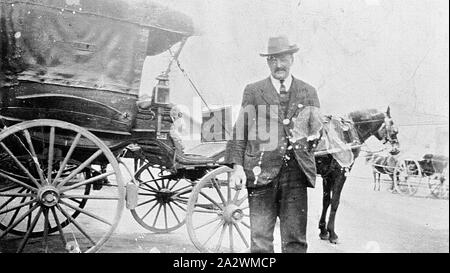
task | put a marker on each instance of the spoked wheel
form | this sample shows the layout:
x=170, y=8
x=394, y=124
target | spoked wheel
x=438, y=184
x=162, y=199
x=218, y=214
x=46, y=191
x=407, y=177
x=38, y=231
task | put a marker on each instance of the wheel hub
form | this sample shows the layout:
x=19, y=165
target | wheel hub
x=48, y=196
x=232, y=213
x=164, y=195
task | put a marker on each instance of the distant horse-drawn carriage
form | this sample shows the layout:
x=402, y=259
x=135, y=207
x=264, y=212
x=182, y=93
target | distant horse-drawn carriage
x=411, y=172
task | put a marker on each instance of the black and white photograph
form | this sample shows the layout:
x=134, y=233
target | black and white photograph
x=224, y=127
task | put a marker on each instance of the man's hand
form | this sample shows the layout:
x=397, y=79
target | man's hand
x=238, y=176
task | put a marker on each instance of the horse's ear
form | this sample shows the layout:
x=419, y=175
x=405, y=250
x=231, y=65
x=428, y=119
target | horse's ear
x=388, y=112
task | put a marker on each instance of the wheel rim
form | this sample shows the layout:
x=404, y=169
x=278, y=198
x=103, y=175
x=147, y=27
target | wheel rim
x=49, y=198
x=438, y=186
x=162, y=199
x=218, y=214
x=407, y=177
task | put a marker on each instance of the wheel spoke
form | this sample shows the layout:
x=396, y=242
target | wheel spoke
x=58, y=224
x=240, y=201
x=90, y=197
x=241, y=234
x=148, y=194
x=165, y=215
x=157, y=214
x=149, y=211
x=10, y=199
x=75, y=200
x=173, y=211
x=148, y=170
x=145, y=202
x=50, y=154
x=8, y=188
x=17, y=181
x=219, y=192
x=67, y=157
x=13, y=218
x=228, y=187
x=35, y=157
x=178, y=205
x=245, y=224
x=157, y=185
x=86, y=163
x=17, y=206
x=211, y=200
x=150, y=188
x=20, y=165
x=27, y=235
x=219, y=243
x=178, y=194
x=88, y=181
x=174, y=184
x=208, y=222
x=11, y=226
x=96, y=217
x=77, y=225
x=46, y=226
x=206, y=211
x=230, y=228
x=213, y=232
x=184, y=190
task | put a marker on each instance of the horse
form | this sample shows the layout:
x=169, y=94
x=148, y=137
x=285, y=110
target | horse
x=367, y=123
x=382, y=164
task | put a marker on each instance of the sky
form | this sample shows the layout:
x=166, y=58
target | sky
x=358, y=54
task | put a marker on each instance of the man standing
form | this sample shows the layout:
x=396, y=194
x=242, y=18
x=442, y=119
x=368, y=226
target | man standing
x=276, y=176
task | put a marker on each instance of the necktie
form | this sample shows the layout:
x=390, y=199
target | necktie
x=282, y=88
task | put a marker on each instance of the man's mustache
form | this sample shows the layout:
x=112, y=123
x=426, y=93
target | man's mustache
x=280, y=69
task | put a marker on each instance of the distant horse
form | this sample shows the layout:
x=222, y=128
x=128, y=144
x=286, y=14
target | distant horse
x=382, y=164
x=367, y=123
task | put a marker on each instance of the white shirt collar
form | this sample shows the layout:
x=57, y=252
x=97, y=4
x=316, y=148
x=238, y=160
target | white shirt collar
x=277, y=84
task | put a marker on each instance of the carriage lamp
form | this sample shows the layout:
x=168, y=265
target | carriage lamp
x=161, y=91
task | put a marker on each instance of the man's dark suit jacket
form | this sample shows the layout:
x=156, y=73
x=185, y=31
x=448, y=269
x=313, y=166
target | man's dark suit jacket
x=255, y=148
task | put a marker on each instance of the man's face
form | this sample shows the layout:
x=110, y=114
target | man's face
x=280, y=65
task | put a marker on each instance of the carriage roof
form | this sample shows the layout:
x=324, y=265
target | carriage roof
x=93, y=44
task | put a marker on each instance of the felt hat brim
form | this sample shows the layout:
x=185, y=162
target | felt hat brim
x=292, y=49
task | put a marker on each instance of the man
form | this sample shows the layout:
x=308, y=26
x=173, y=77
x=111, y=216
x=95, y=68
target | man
x=276, y=176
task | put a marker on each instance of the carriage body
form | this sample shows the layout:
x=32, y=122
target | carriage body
x=412, y=170
x=70, y=75
x=81, y=63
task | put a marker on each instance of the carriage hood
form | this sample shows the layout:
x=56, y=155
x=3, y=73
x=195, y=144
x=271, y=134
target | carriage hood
x=99, y=44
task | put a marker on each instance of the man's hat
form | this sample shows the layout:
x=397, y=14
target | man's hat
x=279, y=45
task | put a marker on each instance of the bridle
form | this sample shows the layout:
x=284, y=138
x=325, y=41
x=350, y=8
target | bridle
x=387, y=133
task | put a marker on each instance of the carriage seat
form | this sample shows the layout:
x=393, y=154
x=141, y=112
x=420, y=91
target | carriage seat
x=193, y=159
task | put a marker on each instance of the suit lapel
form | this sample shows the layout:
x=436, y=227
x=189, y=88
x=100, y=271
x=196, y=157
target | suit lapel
x=296, y=98
x=270, y=96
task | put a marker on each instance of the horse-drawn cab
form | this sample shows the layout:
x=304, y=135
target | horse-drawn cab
x=70, y=109
x=81, y=62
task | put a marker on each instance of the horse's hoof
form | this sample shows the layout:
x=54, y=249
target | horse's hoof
x=334, y=240
x=324, y=236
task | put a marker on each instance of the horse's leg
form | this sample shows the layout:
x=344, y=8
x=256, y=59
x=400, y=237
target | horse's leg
x=337, y=188
x=391, y=175
x=374, y=179
x=379, y=181
x=325, y=204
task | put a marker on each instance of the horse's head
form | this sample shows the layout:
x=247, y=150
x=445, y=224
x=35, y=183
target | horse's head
x=379, y=124
x=388, y=132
